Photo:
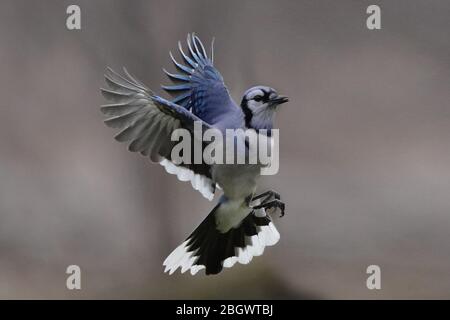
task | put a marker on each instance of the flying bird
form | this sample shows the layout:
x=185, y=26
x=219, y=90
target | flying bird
x=239, y=226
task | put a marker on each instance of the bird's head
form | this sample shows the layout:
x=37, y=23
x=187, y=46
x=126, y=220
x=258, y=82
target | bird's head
x=259, y=105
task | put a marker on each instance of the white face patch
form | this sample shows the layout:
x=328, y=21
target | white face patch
x=255, y=105
x=258, y=103
x=261, y=112
x=254, y=93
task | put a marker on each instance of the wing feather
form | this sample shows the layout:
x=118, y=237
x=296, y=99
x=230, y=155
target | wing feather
x=147, y=122
x=199, y=86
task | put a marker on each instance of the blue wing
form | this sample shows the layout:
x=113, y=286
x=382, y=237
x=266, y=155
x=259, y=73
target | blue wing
x=199, y=86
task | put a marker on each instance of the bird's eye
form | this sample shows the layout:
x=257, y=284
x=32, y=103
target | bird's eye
x=257, y=98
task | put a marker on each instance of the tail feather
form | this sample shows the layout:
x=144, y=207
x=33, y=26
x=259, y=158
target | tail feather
x=207, y=248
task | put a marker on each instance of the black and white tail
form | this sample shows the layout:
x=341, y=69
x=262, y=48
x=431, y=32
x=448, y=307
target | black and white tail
x=207, y=248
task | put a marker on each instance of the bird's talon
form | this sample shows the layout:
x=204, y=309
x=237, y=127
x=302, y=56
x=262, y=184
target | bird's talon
x=282, y=211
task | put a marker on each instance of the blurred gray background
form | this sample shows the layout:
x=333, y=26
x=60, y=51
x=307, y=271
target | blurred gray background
x=364, y=165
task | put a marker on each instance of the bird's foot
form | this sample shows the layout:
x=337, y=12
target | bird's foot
x=272, y=204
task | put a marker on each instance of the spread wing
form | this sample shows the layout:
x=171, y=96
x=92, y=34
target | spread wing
x=147, y=122
x=199, y=86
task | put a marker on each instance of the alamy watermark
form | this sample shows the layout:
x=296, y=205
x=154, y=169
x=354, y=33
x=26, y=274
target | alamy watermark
x=373, y=21
x=73, y=20
x=73, y=281
x=374, y=280
x=235, y=146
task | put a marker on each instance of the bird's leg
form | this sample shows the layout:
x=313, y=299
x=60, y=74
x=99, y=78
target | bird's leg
x=267, y=195
x=272, y=204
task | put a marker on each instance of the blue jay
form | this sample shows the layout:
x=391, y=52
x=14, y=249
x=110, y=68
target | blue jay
x=238, y=227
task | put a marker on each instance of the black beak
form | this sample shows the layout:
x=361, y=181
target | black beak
x=279, y=100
